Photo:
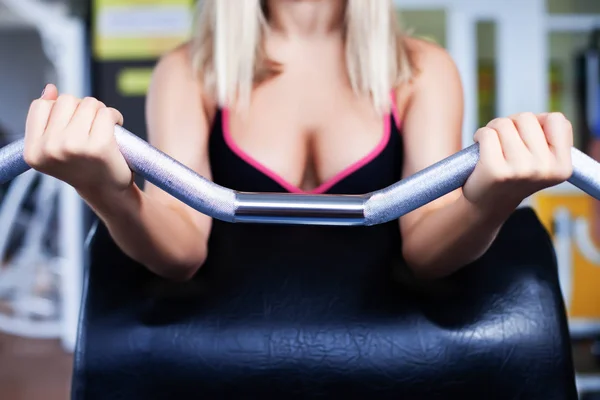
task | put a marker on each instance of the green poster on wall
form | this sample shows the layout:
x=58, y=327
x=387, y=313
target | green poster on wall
x=139, y=29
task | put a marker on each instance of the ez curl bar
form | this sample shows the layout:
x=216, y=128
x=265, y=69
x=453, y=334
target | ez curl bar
x=284, y=208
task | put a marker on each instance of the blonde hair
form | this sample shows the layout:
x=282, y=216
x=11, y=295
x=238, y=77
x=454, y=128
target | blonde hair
x=228, y=49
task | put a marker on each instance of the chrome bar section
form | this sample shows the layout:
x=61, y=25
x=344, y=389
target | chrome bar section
x=227, y=205
x=299, y=209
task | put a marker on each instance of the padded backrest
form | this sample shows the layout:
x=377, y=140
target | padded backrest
x=495, y=330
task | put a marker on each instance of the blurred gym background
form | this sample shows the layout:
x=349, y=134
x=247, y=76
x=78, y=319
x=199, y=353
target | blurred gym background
x=513, y=55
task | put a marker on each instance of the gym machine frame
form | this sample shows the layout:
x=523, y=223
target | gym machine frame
x=64, y=42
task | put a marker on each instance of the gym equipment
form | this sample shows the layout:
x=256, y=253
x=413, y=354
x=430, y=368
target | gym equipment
x=29, y=279
x=588, y=89
x=63, y=47
x=231, y=206
x=567, y=213
x=497, y=329
x=260, y=321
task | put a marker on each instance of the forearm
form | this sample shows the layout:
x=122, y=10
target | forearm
x=160, y=237
x=445, y=239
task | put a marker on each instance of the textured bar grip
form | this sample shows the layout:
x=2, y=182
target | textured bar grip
x=12, y=163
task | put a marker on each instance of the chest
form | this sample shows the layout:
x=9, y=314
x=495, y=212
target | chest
x=307, y=134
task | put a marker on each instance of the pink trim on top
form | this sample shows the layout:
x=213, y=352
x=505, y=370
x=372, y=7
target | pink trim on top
x=325, y=185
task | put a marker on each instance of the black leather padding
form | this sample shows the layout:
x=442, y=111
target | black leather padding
x=246, y=330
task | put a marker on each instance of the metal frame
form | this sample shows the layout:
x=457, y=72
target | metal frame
x=522, y=52
x=63, y=39
x=573, y=231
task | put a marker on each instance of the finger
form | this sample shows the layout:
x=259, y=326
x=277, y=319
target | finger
x=559, y=134
x=83, y=119
x=490, y=148
x=61, y=115
x=103, y=128
x=119, y=117
x=50, y=92
x=543, y=118
x=35, y=125
x=532, y=134
x=37, y=118
x=513, y=148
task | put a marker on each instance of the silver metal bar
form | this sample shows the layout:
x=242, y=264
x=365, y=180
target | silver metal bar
x=175, y=178
x=421, y=188
x=586, y=173
x=370, y=209
x=12, y=163
x=299, y=209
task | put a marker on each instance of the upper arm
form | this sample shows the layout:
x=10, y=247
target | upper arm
x=178, y=124
x=432, y=118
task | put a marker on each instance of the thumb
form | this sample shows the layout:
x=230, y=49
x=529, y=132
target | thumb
x=50, y=92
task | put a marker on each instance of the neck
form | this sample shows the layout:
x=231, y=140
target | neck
x=306, y=18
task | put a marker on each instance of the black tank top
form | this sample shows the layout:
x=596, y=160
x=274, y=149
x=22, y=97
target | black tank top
x=233, y=168
x=350, y=264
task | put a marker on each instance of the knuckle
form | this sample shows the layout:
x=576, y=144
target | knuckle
x=566, y=172
x=113, y=111
x=89, y=102
x=562, y=172
x=557, y=115
x=94, y=149
x=108, y=116
x=53, y=151
x=72, y=149
x=494, y=122
x=522, y=173
x=500, y=175
x=525, y=170
x=555, y=119
x=66, y=99
x=36, y=104
x=502, y=124
x=66, y=104
x=97, y=152
x=525, y=116
x=569, y=126
x=32, y=157
x=545, y=170
x=483, y=133
x=104, y=113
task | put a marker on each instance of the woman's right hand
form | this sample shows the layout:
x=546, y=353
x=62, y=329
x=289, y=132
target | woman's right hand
x=73, y=140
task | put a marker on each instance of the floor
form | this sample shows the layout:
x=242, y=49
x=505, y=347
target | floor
x=40, y=370
x=33, y=369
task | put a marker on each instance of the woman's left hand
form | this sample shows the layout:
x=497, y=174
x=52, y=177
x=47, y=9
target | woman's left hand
x=519, y=156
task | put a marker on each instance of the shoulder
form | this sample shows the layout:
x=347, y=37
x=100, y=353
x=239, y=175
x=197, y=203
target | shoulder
x=432, y=69
x=425, y=53
x=176, y=65
x=176, y=78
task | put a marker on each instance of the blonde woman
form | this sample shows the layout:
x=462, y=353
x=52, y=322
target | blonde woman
x=304, y=96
